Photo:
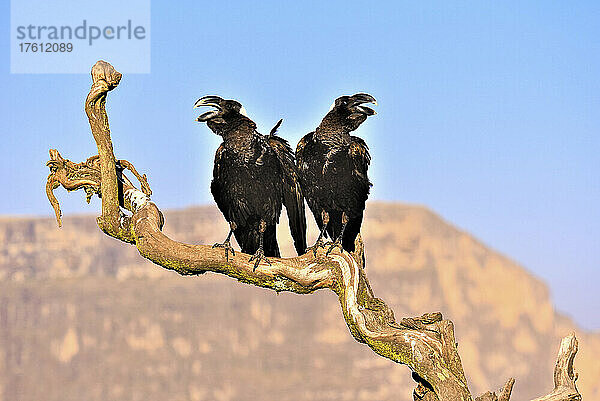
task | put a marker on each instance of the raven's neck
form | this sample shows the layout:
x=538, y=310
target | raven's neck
x=332, y=135
x=241, y=140
x=240, y=135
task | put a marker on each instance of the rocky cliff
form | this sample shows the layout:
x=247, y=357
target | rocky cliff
x=84, y=317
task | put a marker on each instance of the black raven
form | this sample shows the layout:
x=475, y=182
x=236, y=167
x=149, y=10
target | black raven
x=253, y=176
x=333, y=171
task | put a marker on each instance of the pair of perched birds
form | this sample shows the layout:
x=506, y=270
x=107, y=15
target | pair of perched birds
x=254, y=175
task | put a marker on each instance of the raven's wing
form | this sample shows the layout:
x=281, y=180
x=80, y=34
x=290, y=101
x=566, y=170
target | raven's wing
x=359, y=154
x=292, y=194
x=224, y=176
x=218, y=184
x=300, y=148
x=305, y=162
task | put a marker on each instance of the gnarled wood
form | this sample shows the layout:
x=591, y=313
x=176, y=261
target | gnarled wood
x=504, y=393
x=426, y=344
x=564, y=375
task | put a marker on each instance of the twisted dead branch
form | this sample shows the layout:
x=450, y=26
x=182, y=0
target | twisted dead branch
x=426, y=344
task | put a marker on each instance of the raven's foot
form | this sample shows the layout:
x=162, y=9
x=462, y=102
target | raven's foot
x=338, y=241
x=335, y=244
x=227, y=246
x=257, y=257
x=319, y=244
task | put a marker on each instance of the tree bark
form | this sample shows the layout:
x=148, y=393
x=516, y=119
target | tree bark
x=426, y=344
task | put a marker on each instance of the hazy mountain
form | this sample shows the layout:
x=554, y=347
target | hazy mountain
x=84, y=317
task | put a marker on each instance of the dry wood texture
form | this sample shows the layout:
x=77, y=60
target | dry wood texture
x=426, y=344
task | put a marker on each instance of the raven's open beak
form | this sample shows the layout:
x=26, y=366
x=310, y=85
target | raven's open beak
x=359, y=99
x=211, y=101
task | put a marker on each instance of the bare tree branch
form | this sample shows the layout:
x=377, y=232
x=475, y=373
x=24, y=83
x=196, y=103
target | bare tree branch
x=426, y=344
x=564, y=375
x=504, y=393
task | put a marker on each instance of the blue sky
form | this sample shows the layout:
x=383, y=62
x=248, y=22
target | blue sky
x=488, y=113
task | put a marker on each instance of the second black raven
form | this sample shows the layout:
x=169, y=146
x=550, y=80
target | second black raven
x=253, y=176
x=333, y=170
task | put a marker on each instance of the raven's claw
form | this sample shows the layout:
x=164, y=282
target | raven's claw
x=228, y=248
x=258, y=256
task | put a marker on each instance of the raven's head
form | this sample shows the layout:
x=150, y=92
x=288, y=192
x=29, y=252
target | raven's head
x=225, y=116
x=349, y=112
